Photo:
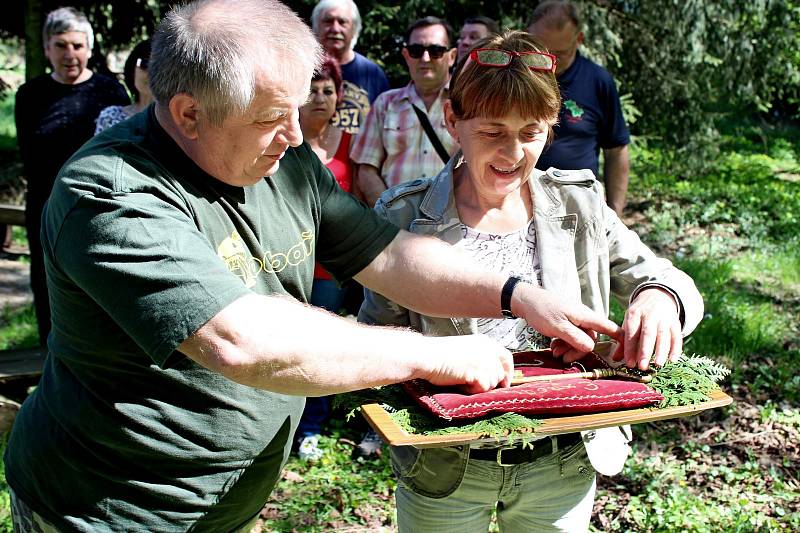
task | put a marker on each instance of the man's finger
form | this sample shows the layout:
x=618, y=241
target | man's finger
x=506, y=370
x=558, y=347
x=577, y=338
x=600, y=324
x=573, y=355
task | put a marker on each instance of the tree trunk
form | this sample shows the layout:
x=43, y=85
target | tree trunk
x=35, y=61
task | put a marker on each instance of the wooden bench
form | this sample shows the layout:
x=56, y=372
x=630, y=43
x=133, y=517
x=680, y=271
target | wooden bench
x=15, y=365
x=13, y=215
x=17, y=370
x=20, y=363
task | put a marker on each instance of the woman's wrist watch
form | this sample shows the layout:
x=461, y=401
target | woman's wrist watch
x=505, y=296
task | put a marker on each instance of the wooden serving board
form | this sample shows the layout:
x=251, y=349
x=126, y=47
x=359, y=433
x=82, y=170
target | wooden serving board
x=393, y=434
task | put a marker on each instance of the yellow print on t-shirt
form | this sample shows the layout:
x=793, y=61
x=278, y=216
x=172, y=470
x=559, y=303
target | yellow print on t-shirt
x=237, y=258
x=239, y=261
x=277, y=261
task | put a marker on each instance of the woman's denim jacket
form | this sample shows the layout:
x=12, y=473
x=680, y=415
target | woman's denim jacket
x=587, y=254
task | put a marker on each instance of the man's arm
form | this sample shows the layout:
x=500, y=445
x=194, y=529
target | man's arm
x=616, y=172
x=279, y=344
x=23, y=122
x=369, y=182
x=433, y=278
x=369, y=153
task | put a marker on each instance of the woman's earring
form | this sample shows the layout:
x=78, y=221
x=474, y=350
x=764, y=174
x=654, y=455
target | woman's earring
x=460, y=161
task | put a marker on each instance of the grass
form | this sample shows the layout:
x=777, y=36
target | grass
x=736, y=231
x=357, y=493
x=18, y=327
x=19, y=238
x=8, y=130
x=5, y=503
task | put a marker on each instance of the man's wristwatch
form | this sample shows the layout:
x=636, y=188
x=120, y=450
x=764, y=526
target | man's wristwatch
x=505, y=296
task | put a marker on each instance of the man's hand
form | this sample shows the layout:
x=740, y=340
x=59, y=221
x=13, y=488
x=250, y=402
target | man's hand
x=475, y=362
x=574, y=325
x=369, y=182
x=651, y=330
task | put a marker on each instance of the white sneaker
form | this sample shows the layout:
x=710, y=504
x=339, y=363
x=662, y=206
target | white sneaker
x=309, y=449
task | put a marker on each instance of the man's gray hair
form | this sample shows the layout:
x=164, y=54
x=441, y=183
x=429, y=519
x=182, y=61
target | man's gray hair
x=324, y=5
x=65, y=19
x=214, y=50
x=556, y=13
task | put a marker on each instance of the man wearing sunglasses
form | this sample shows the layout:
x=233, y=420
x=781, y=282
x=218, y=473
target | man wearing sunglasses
x=591, y=115
x=393, y=146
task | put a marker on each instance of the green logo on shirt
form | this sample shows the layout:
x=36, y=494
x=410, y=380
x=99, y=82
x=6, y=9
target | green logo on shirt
x=575, y=111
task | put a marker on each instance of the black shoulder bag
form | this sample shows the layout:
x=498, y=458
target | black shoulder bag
x=426, y=125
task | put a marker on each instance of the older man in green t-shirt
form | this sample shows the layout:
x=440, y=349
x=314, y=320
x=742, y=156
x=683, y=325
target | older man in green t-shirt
x=180, y=249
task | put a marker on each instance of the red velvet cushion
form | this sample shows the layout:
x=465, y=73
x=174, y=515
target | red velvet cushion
x=562, y=397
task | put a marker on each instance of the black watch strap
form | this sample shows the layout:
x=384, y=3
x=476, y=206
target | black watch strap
x=505, y=296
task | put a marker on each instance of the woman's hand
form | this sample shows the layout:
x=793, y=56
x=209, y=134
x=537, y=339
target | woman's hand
x=651, y=330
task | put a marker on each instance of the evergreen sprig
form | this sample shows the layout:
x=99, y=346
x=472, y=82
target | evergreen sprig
x=688, y=380
x=415, y=420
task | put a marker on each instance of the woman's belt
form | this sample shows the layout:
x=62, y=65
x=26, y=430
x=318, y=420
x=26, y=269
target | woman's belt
x=514, y=455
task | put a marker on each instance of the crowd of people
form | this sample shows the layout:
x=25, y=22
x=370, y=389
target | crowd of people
x=196, y=239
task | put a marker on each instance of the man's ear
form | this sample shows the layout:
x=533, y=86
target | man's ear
x=453, y=53
x=579, y=39
x=406, y=56
x=184, y=114
x=450, y=120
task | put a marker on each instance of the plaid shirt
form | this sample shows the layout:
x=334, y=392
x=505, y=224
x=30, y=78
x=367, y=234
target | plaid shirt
x=392, y=138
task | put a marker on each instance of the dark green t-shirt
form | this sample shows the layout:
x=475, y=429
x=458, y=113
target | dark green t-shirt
x=142, y=248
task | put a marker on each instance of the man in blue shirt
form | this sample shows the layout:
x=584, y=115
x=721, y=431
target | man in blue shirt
x=337, y=24
x=591, y=115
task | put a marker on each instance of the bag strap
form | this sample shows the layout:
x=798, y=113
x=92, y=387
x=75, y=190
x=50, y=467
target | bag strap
x=426, y=125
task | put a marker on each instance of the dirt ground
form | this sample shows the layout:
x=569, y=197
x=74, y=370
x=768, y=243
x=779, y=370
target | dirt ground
x=15, y=288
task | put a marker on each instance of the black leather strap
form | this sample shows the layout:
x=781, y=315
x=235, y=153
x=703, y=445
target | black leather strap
x=505, y=296
x=518, y=454
x=426, y=126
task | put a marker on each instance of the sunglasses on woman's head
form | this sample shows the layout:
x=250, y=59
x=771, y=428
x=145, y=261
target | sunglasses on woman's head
x=142, y=63
x=436, y=51
x=494, y=57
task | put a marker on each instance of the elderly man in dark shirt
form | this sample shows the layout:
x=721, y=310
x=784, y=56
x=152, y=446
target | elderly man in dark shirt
x=55, y=114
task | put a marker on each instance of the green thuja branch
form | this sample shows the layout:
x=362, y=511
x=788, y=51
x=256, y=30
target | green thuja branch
x=414, y=419
x=688, y=380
